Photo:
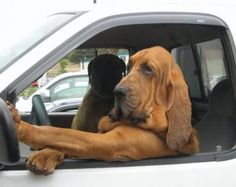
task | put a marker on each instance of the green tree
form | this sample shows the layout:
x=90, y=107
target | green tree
x=80, y=55
x=74, y=56
x=63, y=63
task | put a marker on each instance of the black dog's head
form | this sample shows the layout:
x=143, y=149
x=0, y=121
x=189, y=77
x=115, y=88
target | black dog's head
x=105, y=71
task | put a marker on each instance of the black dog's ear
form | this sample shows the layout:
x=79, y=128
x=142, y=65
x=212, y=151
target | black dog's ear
x=123, y=66
x=90, y=70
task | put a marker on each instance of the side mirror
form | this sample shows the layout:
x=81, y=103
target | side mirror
x=9, y=152
x=45, y=95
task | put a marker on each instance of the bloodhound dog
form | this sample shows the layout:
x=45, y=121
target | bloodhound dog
x=151, y=118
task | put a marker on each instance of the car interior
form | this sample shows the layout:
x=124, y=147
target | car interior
x=199, y=51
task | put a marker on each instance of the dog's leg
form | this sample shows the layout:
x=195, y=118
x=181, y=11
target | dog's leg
x=156, y=121
x=105, y=124
x=119, y=144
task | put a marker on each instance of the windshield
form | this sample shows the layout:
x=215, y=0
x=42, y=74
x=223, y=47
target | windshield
x=14, y=51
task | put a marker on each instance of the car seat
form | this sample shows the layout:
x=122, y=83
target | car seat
x=217, y=130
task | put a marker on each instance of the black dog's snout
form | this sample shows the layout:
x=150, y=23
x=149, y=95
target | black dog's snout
x=120, y=91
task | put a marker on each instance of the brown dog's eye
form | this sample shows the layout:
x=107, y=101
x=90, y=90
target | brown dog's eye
x=147, y=70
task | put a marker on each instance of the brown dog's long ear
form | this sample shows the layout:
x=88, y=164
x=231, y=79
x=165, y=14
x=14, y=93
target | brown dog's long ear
x=90, y=70
x=178, y=111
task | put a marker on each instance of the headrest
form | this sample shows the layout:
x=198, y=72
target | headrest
x=222, y=99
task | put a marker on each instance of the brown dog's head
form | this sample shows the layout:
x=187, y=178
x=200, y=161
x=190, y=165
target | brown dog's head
x=105, y=71
x=153, y=80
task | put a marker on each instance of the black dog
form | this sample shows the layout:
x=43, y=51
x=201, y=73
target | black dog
x=105, y=71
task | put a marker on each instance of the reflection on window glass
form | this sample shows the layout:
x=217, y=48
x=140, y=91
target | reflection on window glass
x=213, y=68
x=9, y=53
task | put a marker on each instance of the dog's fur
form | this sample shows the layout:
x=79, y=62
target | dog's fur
x=105, y=71
x=151, y=118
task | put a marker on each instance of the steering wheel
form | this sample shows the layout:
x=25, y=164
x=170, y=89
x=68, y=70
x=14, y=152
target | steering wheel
x=39, y=113
x=9, y=152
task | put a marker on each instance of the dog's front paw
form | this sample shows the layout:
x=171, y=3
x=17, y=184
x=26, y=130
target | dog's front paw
x=106, y=124
x=14, y=112
x=44, y=162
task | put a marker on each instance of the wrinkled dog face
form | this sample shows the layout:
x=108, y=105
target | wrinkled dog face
x=135, y=94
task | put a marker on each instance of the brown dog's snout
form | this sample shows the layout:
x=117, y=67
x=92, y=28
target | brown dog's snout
x=120, y=91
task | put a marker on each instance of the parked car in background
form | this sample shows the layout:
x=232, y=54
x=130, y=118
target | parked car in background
x=200, y=38
x=67, y=89
x=64, y=105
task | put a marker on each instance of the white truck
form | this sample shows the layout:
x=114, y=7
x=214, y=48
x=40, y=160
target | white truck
x=200, y=37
